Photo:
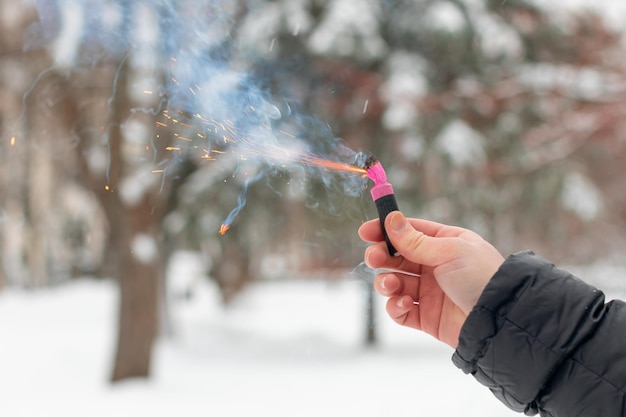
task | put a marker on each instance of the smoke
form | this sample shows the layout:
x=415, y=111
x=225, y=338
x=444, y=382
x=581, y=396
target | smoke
x=210, y=77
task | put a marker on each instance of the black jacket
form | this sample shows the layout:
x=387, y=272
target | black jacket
x=545, y=342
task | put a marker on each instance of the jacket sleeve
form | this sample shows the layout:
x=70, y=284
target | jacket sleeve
x=543, y=341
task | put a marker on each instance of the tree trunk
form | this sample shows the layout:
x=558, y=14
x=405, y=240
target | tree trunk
x=132, y=231
x=40, y=201
x=138, y=277
x=371, y=338
x=232, y=272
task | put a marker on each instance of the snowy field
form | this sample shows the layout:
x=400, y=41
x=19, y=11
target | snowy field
x=283, y=349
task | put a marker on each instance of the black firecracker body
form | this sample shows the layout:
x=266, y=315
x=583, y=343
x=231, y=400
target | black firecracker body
x=386, y=205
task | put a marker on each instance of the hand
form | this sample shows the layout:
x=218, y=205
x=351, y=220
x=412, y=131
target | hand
x=438, y=277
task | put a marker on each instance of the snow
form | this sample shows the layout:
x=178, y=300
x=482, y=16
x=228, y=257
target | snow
x=405, y=84
x=445, y=16
x=462, y=144
x=134, y=186
x=144, y=248
x=613, y=10
x=350, y=27
x=581, y=196
x=66, y=45
x=290, y=348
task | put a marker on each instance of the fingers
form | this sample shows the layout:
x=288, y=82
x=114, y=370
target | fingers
x=402, y=291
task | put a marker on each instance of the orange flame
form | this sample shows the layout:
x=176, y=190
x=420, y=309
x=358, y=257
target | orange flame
x=332, y=165
x=224, y=228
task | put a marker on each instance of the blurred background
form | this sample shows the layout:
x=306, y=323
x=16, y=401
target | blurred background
x=131, y=132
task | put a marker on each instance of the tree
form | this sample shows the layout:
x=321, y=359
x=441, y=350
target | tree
x=177, y=118
x=116, y=158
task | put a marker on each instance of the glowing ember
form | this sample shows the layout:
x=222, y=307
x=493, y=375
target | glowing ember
x=224, y=228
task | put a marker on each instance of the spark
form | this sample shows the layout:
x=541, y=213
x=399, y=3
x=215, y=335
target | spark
x=224, y=228
x=12, y=140
x=367, y=102
x=161, y=124
x=172, y=148
x=147, y=92
x=158, y=171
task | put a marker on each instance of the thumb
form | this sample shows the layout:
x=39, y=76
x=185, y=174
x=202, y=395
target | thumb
x=414, y=245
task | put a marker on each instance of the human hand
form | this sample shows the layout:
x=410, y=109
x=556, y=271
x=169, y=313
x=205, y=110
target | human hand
x=438, y=277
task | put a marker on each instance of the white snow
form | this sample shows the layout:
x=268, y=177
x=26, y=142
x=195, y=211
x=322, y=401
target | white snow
x=144, y=248
x=496, y=38
x=134, y=186
x=289, y=348
x=405, y=84
x=65, y=46
x=350, y=27
x=581, y=196
x=462, y=144
x=445, y=16
x=613, y=10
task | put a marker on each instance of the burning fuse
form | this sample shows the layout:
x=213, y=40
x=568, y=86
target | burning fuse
x=382, y=193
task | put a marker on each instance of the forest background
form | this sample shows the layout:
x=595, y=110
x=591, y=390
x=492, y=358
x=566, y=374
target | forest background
x=132, y=131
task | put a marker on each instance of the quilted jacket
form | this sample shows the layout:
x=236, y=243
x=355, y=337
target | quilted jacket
x=545, y=342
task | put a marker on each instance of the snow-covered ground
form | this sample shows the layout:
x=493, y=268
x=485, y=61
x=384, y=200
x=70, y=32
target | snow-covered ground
x=284, y=349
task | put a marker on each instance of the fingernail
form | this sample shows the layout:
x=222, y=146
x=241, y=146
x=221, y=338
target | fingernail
x=398, y=221
x=382, y=284
x=399, y=302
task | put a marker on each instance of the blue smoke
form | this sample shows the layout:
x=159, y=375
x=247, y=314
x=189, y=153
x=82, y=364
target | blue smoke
x=209, y=76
